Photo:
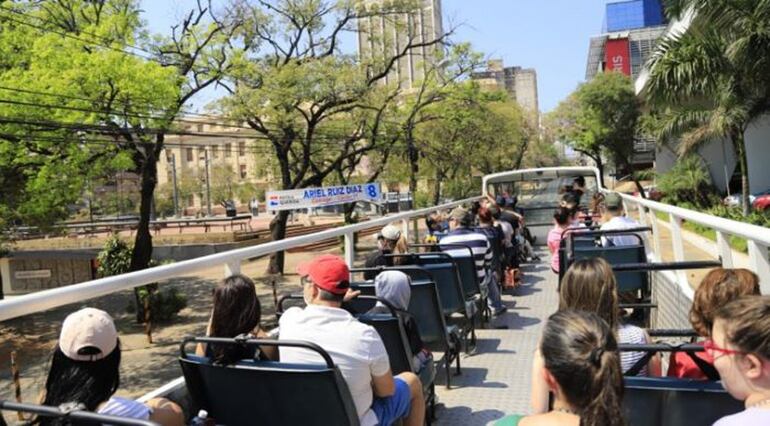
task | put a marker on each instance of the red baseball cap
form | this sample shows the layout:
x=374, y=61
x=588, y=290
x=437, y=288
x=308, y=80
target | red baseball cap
x=328, y=272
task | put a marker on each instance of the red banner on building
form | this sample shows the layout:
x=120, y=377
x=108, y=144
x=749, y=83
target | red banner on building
x=617, y=57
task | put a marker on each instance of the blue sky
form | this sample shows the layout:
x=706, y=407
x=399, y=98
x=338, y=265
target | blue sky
x=548, y=35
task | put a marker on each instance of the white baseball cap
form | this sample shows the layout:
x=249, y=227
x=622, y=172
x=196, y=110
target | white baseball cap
x=391, y=232
x=88, y=328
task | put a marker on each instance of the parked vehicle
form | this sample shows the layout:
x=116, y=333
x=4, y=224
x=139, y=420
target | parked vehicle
x=761, y=203
x=735, y=199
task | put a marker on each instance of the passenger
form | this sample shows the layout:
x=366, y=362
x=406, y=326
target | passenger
x=460, y=223
x=389, y=241
x=589, y=285
x=394, y=287
x=581, y=369
x=579, y=186
x=495, y=237
x=617, y=220
x=236, y=312
x=561, y=222
x=85, y=369
x=740, y=347
x=719, y=287
x=510, y=248
x=356, y=348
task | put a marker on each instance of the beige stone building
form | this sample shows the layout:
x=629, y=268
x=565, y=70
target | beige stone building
x=520, y=84
x=234, y=159
x=382, y=37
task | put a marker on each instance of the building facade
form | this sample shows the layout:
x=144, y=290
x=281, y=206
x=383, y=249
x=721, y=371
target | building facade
x=235, y=161
x=520, y=83
x=382, y=37
x=629, y=36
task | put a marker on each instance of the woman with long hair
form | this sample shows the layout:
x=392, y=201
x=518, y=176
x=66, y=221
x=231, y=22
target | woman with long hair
x=582, y=370
x=589, y=285
x=719, y=287
x=85, y=370
x=236, y=312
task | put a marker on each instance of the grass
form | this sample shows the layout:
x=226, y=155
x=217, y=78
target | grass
x=737, y=243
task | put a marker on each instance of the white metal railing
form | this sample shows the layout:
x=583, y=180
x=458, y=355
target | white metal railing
x=758, y=237
x=231, y=260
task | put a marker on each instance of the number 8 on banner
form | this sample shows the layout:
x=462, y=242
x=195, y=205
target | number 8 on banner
x=371, y=190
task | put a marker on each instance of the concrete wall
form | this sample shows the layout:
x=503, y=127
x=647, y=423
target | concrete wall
x=673, y=304
x=718, y=154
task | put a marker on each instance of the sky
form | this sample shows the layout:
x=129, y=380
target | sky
x=550, y=36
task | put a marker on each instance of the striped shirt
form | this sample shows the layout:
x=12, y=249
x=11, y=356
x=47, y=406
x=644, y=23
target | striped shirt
x=634, y=335
x=482, y=251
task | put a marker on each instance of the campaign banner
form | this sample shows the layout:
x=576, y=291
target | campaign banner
x=617, y=57
x=318, y=197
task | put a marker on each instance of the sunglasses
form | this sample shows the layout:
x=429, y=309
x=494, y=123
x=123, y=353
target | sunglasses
x=712, y=350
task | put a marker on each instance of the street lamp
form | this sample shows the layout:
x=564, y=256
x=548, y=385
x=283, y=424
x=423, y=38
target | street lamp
x=205, y=158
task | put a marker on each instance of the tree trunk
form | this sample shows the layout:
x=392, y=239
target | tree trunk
x=277, y=232
x=600, y=166
x=142, y=254
x=414, y=167
x=347, y=210
x=739, y=145
x=437, y=189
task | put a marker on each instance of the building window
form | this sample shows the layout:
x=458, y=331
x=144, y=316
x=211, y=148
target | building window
x=214, y=151
x=241, y=149
x=242, y=168
x=200, y=127
x=189, y=154
x=201, y=152
x=228, y=148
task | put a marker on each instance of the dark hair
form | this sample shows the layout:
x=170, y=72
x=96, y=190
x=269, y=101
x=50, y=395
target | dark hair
x=747, y=324
x=236, y=311
x=328, y=296
x=589, y=285
x=85, y=382
x=717, y=288
x=580, y=180
x=580, y=351
x=485, y=216
x=570, y=198
x=562, y=215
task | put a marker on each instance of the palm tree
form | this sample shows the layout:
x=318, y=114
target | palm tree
x=713, y=80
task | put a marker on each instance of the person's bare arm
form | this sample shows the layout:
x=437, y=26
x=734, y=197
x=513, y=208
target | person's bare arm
x=271, y=352
x=384, y=385
x=654, y=367
x=165, y=412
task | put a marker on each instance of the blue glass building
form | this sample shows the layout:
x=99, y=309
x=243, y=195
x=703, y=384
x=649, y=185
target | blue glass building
x=633, y=14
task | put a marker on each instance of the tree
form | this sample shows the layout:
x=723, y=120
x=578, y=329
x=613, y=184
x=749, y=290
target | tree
x=292, y=81
x=601, y=118
x=713, y=80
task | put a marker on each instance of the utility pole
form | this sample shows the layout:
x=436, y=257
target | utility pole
x=173, y=179
x=208, y=183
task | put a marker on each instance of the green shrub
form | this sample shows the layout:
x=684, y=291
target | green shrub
x=115, y=259
x=687, y=184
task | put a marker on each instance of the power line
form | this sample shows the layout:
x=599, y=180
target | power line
x=67, y=35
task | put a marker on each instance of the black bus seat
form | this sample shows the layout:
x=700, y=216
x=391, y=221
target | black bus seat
x=649, y=401
x=73, y=416
x=268, y=392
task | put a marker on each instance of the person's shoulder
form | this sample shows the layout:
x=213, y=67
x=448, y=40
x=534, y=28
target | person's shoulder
x=628, y=333
x=291, y=315
x=751, y=416
x=123, y=407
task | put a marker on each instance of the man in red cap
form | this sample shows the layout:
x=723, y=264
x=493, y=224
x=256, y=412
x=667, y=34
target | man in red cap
x=356, y=348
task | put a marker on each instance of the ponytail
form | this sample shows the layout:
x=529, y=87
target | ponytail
x=581, y=352
x=606, y=392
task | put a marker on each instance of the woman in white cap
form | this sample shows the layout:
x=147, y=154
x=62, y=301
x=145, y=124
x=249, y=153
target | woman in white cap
x=390, y=240
x=85, y=370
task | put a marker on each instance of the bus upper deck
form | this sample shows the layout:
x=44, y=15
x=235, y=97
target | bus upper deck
x=492, y=356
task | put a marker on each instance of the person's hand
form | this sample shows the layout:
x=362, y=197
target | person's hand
x=351, y=294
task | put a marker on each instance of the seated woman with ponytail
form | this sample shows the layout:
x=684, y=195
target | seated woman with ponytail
x=589, y=285
x=582, y=370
